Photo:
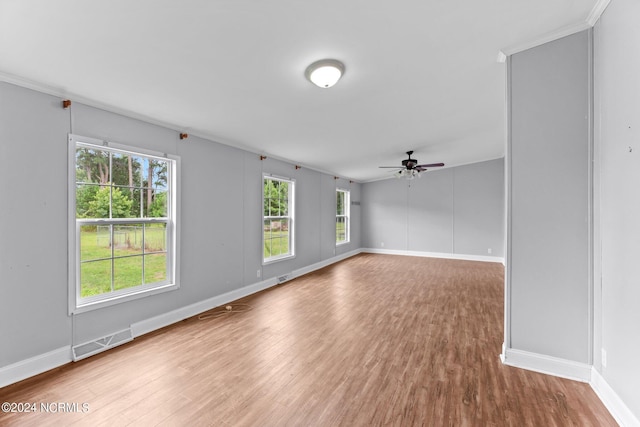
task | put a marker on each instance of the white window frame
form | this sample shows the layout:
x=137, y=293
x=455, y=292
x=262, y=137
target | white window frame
x=346, y=216
x=79, y=304
x=290, y=217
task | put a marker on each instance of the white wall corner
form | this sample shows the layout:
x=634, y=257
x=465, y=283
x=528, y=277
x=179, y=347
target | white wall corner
x=549, y=365
x=619, y=411
x=35, y=365
x=597, y=11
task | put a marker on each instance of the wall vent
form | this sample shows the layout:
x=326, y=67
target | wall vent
x=284, y=278
x=105, y=343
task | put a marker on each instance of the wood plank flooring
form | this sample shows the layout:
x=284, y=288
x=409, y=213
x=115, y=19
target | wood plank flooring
x=373, y=340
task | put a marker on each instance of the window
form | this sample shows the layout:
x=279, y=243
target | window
x=278, y=215
x=342, y=216
x=122, y=223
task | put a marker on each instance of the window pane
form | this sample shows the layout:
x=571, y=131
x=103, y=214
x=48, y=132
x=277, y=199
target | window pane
x=341, y=229
x=136, y=203
x=267, y=238
x=95, y=278
x=284, y=243
x=340, y=203
x=267, y=248
x=122, y=169
x=155, y=238
x=95, y=242
x=92, y=165
x=127, y=272
x=95, y=201
x=155, y=203
x=126, y=202
x=155, y=268
x=127, y=239
x=159, y=175
x=85, y=194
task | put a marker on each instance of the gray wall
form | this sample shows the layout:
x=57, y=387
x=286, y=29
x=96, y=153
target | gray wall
x=617, y=108
x=549, y=154
x=220, y=246
x=456, y=210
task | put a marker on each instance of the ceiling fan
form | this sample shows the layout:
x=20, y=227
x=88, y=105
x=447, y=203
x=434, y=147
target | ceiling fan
x=410, y=167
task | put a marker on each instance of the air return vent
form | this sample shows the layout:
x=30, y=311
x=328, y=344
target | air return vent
x=105, y=343
x=284, y=278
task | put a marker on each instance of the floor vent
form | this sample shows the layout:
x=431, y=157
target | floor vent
x=90, y=348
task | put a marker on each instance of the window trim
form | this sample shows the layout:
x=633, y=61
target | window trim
x=291, y=217
x=346, y=216
x=76, y=303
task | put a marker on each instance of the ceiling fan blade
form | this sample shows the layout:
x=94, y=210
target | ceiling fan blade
x=395, y=167
x=430, y=165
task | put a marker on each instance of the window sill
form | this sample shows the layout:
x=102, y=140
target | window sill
x=277, y=259
x=119, y=299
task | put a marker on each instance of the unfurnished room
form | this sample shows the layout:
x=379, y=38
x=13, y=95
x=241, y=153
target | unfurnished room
x=343, y=213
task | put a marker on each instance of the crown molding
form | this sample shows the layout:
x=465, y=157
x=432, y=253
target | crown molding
x=64, y=94
x=540, y=40
x=597, y=11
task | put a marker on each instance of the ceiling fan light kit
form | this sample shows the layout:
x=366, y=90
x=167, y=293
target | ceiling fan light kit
x=407, y=174
x=325, y=73
x=411, y=169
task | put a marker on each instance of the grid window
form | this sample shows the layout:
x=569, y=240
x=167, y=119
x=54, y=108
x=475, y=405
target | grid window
x=277, y=218
x=342, y=216
x=123, y=237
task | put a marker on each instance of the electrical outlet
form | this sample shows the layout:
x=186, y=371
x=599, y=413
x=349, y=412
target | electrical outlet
x=489, y=250
x=258, y=273
x=382, y=244
x=604, y=358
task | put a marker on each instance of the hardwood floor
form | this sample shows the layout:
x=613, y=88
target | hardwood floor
x=373, y=340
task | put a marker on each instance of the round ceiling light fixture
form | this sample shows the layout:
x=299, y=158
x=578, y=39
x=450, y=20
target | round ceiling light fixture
x=325, y=73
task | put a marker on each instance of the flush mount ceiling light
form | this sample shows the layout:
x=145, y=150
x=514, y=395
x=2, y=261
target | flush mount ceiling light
x=325, y=73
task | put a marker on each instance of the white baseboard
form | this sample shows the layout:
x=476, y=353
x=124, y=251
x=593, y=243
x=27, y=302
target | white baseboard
x=171, y=317
x=445, y=255
x=44, y=362
x=34, y=365
x=166, y=319
x=618, y=410
x=547, y=365
x=318, y=265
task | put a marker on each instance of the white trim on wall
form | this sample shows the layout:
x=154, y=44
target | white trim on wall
x=64, y=94
x=34, y=365
x=547, y=364
x=618, y=410
x=597, y=11
x=461, y=257
x=542, y=39
x=44, y=362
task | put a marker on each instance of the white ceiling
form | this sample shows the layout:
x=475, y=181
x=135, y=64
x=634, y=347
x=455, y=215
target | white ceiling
x=420, y=75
